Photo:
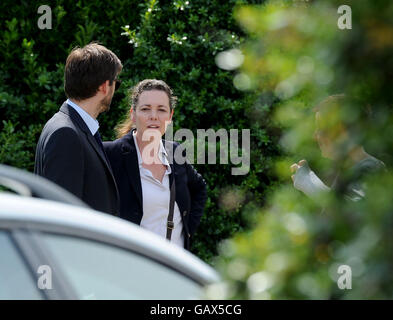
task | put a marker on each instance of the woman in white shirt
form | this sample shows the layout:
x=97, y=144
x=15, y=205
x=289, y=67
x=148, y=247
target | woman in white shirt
x=144, y=175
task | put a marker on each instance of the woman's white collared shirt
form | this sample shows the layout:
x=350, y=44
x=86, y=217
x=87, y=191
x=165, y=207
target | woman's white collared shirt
x=155, y=200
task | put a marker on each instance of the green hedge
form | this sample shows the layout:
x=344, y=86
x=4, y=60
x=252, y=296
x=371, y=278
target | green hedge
x=176, y=41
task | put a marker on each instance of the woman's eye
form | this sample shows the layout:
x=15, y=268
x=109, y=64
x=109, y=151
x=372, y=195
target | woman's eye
x=163, y=110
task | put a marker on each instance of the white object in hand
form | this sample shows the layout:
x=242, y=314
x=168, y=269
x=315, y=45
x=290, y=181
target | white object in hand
x=307, y=181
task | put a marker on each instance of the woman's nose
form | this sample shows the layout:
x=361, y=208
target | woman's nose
x=153, y=114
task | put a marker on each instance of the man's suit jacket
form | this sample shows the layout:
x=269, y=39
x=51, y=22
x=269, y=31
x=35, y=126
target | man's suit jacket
x=69, y=155
x=191, y=192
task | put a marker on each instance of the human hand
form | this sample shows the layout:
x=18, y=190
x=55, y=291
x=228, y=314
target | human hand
x=306, y=180
x=294, y=167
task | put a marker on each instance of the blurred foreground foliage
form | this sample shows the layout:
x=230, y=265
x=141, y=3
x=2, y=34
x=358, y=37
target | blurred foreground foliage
x=297, y=52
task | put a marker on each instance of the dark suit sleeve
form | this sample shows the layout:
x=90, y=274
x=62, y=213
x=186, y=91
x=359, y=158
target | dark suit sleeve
x=63, y=160
x=197, y=188
x=110, y=150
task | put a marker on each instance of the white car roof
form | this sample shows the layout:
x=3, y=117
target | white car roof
x=14, y=208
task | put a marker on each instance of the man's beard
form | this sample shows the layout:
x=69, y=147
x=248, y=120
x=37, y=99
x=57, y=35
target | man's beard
x=105, y=103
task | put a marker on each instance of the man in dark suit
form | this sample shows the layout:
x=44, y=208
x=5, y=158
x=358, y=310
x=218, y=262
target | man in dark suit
x=69, y=151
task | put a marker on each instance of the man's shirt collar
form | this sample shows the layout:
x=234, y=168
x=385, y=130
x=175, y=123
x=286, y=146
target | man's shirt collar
x=91, y=123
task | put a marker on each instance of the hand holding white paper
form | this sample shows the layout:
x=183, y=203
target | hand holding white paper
x=307, y=181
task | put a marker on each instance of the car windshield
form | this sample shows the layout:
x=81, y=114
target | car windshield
x=101, y=271
x=16, y=281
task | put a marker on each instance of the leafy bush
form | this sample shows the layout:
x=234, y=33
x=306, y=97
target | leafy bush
x=176, y=41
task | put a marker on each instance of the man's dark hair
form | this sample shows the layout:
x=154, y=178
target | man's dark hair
x=87, y=68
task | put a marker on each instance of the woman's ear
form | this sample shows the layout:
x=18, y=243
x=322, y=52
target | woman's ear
x=132, y=114
x=170, y=118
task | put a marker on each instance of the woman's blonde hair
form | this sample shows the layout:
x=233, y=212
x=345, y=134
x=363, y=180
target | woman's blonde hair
x=145, y=85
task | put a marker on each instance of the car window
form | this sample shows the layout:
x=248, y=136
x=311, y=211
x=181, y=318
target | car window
x=16, y=280
x=101, y=271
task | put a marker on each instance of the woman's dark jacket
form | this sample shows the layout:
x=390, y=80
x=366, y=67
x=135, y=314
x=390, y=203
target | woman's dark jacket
x=191, y=192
